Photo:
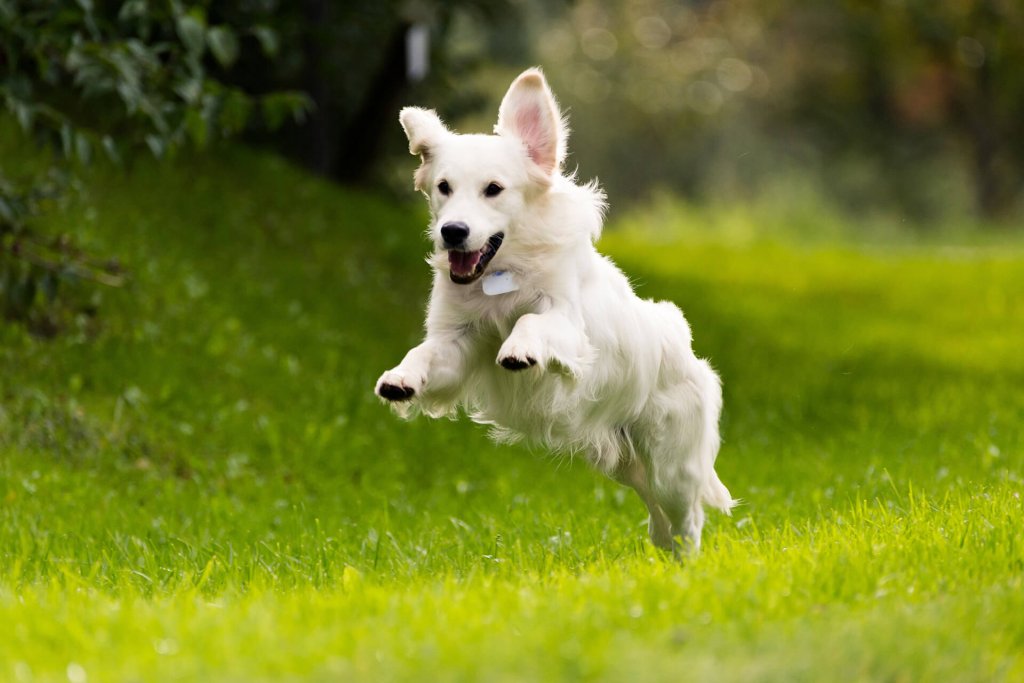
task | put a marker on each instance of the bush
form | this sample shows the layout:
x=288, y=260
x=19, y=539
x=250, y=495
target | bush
x=87, y=79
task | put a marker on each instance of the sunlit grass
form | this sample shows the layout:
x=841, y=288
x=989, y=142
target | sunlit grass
x=207, y=490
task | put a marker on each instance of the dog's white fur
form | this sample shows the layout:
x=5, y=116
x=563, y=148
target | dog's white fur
x=599, y=371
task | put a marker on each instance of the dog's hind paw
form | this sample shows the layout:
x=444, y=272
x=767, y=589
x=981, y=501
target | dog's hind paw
x=513, y=363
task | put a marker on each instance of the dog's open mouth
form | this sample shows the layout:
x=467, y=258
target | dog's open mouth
x=467, y=266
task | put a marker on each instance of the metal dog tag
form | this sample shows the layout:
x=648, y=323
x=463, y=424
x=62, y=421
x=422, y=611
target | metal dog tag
x=499, y=282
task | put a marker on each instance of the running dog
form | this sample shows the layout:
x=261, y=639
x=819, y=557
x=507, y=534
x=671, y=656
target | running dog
x=530, y=330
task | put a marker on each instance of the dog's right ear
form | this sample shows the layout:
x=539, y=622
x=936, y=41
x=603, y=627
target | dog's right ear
x=424, y=129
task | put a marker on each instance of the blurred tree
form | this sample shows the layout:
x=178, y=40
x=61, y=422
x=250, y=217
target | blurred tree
x=703, y=96
x=918, y=76
x=657, y=86
x=354, y=60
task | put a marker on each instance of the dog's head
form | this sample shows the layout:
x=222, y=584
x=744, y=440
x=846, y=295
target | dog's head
x=478, y=186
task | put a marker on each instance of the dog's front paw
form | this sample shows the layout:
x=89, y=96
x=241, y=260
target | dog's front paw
x=513, y=363
x=515, y=356
x=395, y=392
x=522, y=356
x=395, y=386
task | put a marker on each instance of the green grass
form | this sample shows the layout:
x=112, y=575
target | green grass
x=202, y=486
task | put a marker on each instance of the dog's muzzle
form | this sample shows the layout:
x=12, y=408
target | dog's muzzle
x=467, y=266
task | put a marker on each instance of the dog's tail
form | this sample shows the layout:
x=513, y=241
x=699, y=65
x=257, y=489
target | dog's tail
x=713, y=492
x=716, y=495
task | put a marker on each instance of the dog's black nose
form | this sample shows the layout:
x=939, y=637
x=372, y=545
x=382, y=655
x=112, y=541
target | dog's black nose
x=454, y=233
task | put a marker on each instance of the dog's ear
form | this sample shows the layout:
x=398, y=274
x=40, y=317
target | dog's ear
x=424, y=129
x=529, y=112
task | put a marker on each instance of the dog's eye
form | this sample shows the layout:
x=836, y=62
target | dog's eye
x=493, y=190
x=444, y=188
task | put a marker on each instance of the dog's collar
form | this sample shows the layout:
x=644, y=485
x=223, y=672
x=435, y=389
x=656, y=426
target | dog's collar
x=499, y=282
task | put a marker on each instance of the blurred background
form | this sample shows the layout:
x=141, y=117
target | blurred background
x=855, y=119
x=906, y=109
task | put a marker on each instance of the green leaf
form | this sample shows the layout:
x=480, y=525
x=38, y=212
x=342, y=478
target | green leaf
x=25, y=114
x=269, y=42
x=275, y=111
x=67, y=137
x=223, y=44
x=190, y=90
x=133, y=9
x=234, y=112
x=131, y=95
x=110, y=147
x=156, y=145
x=23, y=294
x=281, y=105
x=83, y=148
x=197, y=126
x=48, y=285
x=192, y=31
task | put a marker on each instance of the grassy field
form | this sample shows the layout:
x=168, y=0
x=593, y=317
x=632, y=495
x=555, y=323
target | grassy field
x=199, y=485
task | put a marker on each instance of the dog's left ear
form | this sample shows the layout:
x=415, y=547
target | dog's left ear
x=529, y=112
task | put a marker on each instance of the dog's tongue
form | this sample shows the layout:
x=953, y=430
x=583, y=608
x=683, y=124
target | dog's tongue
x=463, y=262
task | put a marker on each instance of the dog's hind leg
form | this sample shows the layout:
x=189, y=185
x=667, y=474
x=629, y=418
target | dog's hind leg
x=682, y=446
x=686, y=514
x=676, y=488
x=633, y=473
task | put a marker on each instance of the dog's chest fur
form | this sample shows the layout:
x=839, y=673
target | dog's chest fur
x=539, y=405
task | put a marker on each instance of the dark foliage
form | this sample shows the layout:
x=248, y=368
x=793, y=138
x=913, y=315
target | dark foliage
x=86, y=79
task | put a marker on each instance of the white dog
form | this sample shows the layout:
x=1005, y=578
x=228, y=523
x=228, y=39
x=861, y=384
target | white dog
x=530, y=330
